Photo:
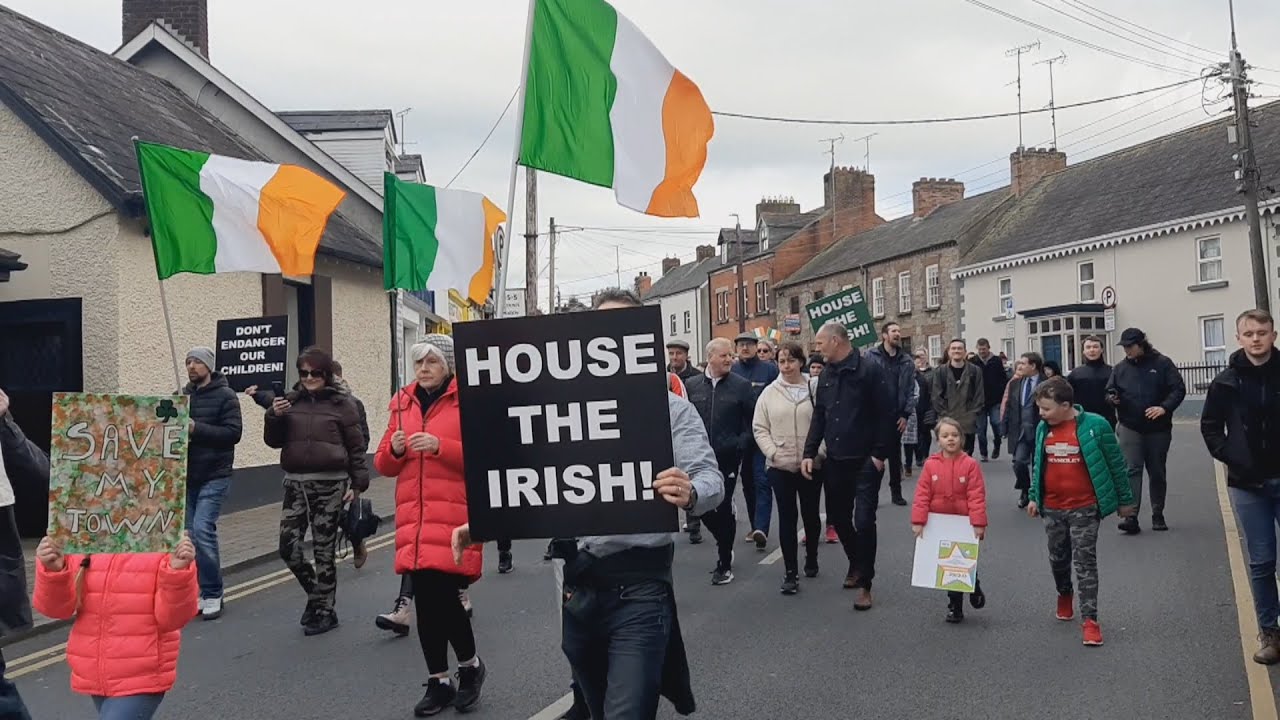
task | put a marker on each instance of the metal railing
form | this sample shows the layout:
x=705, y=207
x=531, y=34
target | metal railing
x=1198, y=376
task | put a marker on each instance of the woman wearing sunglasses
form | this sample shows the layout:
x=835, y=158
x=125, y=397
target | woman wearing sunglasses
x=316, y=427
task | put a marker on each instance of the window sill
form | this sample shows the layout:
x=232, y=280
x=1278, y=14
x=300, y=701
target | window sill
x=904, y=313
x=1215, y=285
x=877, y=317
x=933, y=309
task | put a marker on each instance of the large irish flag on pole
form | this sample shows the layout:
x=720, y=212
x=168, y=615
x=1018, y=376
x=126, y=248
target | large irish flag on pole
x=216, y=214
x=438, y=239
x=603, y=106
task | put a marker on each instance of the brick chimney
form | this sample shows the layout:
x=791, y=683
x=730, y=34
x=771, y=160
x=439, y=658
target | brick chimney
x=781, y=205
x=669, y=264
x=853, y=188
x=929, y=194
x=1027, y=167
x=189, y=19
x=643, y=283
x=706, y=251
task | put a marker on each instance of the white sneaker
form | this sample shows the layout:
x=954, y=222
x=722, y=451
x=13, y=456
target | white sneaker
x=211, y=608
x=201, y=605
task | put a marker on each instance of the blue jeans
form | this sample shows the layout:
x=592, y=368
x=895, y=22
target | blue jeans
x=204, y=504
x=989, y=416
x=616, y=642
x=11, y=706
x=127, y=707
x=1258, y=511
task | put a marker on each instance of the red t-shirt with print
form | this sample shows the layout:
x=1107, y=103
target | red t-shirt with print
x=1066, y=477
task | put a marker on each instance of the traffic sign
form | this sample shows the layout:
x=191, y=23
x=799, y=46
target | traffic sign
x=1108, y=298
x=1109, y=319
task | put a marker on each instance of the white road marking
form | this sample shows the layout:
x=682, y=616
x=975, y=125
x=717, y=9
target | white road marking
x=555, y=709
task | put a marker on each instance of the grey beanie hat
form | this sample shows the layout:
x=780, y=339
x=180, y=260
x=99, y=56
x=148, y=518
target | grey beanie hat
x=202, y=355
x=441, y=345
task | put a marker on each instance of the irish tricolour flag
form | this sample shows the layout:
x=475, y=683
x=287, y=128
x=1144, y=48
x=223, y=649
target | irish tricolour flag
x=216, y=214
x=438, y=239
x=602, y=105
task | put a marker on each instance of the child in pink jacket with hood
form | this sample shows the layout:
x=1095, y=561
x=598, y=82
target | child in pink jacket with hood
x=951, y=483
x=129, y=611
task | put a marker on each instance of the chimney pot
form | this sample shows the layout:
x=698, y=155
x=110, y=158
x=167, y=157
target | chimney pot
x=1028, y=166
x=669, y=264
x=189, y=19
x=929, y=194
x=706, y=251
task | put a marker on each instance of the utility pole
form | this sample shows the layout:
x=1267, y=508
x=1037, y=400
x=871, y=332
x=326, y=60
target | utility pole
x=866, y=159
x=551, y=281
x=530, y=242
x=1018, y=53
x=1247, y=170
x=1053, y=108
x=737, y=239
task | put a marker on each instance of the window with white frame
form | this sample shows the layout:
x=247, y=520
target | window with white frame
x=1084, y=273
x=935, y=348
x=1007, y=346
x=744, y=302
x=1006, y=294
x=673, y=323
x=904, y=292
x=932, y=288
x=762, y=296
x=722, y=306
x=877, y=297
x=688, y=321
x=1213, y=338
x=1209, y=259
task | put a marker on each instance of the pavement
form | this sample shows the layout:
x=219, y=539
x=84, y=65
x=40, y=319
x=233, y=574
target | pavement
x=1170, y=612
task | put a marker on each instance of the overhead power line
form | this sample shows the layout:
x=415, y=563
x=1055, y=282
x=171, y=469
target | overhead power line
x=486, y=138
x=960, y=118
x=1161, y=48
x=1117, y=18
x=1069, y=38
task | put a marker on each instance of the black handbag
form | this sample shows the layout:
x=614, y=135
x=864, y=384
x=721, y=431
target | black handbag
x=360, y=522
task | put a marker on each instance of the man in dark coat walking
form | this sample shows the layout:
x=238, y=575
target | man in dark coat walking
x=1089, y=381
x=899, y=375
x=216, y=427
x=1021, y=418
x=1146, y=389
x=994, y=378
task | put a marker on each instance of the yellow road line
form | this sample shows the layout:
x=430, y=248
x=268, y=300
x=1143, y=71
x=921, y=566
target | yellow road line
x=28, y=664
x=1261, y=694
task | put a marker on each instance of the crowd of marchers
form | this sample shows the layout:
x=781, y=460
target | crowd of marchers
x=790, y=427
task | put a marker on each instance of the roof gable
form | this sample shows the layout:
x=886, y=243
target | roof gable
x=88, y=105
x=684, y=278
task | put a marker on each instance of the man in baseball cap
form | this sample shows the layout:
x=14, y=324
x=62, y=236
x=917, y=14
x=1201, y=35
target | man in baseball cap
x=1146, y=388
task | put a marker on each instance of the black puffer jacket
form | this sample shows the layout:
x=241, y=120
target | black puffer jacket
x=1089, y=382
x=1241, y=420
x=217, y=425
x=727, y=409
x=1150, y=381
x=320, y=433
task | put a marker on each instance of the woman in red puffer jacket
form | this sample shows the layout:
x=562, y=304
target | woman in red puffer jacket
x=422, y=449
x=129, y=612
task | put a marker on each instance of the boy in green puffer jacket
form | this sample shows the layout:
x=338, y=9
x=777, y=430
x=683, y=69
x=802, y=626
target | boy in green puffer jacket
x=1078, y=477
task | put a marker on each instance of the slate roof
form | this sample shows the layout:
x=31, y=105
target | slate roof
x=1177, y=176
x=408, y=163
x=957, y=222
x=88, y=106
x=305, y=121
x=689, y=276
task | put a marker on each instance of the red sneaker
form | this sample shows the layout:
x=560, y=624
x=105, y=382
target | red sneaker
x=832, y=537
x=1092, y=633
x=1066, y=607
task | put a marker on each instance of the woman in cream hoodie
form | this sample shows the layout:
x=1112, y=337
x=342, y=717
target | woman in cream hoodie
x=780, y=425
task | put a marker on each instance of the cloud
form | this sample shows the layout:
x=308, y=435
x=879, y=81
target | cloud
x=457, y=64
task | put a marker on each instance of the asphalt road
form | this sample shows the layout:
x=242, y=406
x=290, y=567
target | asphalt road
x=1168, y=613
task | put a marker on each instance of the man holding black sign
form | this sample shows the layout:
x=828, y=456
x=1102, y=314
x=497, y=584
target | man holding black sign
x=855, y=413
x=620, y=629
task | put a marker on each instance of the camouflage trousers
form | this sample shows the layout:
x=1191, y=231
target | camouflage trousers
x=1073, y=539
x=316, y=504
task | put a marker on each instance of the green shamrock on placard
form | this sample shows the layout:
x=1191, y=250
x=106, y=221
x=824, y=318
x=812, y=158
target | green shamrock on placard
x=166, y=411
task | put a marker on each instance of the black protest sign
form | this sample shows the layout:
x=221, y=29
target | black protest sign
x=253, y=351
x=565, y=424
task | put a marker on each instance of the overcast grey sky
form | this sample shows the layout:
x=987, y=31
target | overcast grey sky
x=457, y=63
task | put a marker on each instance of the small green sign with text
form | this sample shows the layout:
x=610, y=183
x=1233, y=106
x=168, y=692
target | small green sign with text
x=847, y=307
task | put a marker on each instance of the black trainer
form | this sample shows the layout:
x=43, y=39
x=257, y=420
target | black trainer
x=308, y=614
x=323, y=623
x=1024, y=499
x=1157, y=522
x=995, y=451
x=722, y=575
x=955, y=611
x=1130, y=526
x=899, y=500
x=470, y=681
x=695, y=536
x=811, y=567
x=790, y=584
x=504, y=563
x=439, y=696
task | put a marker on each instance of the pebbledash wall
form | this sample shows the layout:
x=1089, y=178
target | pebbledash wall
x=76, y=245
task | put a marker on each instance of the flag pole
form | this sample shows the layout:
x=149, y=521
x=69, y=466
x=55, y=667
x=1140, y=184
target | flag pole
x=504, y=252
x=164, y=300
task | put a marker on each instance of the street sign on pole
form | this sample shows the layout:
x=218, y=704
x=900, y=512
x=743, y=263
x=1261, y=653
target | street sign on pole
x=1109, y=319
